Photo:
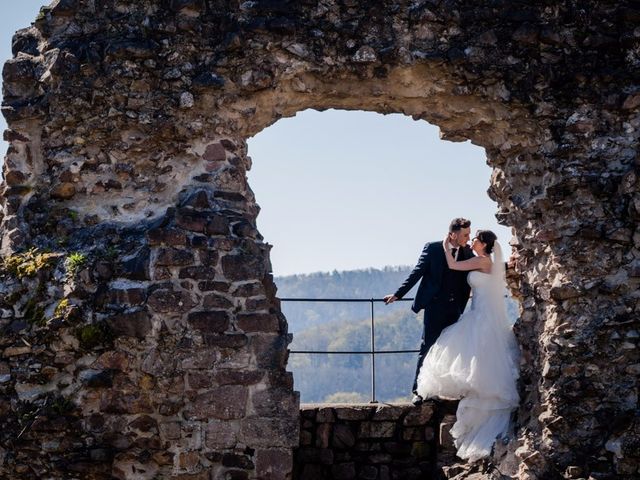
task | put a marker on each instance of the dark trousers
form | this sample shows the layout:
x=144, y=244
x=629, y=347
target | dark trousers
x=437, y=317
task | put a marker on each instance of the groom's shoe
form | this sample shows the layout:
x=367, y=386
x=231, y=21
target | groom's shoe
x=417, y=400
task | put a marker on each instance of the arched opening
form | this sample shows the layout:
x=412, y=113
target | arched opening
x=548, y=91
x=348, y=199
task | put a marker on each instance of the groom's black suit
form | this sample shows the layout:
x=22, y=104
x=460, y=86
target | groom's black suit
x=443, y=293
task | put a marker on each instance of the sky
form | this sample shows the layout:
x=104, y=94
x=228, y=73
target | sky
x=344, y=190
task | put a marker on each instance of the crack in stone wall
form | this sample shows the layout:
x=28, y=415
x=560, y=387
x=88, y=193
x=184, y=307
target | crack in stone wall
x=151, y=337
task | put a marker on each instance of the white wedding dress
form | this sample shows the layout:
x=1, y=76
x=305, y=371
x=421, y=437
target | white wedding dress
x=476, y=360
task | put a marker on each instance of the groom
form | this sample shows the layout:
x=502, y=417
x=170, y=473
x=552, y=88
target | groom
x=443, y=293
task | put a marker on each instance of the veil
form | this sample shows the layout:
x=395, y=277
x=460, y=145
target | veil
x=498, y=284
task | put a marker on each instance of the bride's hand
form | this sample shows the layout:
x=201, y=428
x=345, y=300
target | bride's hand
x=445, y=241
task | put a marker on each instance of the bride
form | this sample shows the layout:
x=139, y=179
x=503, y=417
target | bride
x=476, y=358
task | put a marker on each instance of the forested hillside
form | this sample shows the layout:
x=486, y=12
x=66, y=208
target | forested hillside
x=347, y=327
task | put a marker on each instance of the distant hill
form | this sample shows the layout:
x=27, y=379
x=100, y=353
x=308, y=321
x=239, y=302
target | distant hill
x=367, y=283
x=347, y=327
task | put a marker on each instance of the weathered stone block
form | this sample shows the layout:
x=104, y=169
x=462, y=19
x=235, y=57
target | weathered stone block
x=356, y=412
x=25, y=40
x=208, y=257
x=343, y=437
x=274, y=402
x=380, y=457
x=200, y=380
x=170, y=301
x=199, y=199
x=377, y=430
x=127, y=294
x=250, y=289
x=123, y=402
x=412, y=434
x=387, y=412
x=237, y=461
x=419, y=416
x=188, y=461
x=170, y=430
x=225, y=403
x=257, y=304
x=397, y=449
x=238, y=377
x=325, y=415
x=167, y=236
x=212, y=300
x=226, y=340
x=315, y=455
x=211, y=285
x=257, y=322
x=343, y=471
x=236, y=475
x=15, y=351
x=215, y=152
x=136, y=266
x=192, y=220
x=132, y=323
x=198, y=273
x=243, y=267
x=214, y=321
x=323, y=434
x=174, y=257
x=144, y=423
x=269, y=432
x=14, y=177
x=63, y=191
x=306, y=438
x=199, y=359
x=274, y=464
x=221, y=434
x=217, y=225
x=132, y=49
x=445, y=438
x=368, y=472
x=96, y=378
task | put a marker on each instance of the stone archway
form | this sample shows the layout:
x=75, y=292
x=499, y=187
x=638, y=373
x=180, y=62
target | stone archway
x=153, y=330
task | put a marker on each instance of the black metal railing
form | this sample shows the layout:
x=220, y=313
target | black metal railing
x=372, y=352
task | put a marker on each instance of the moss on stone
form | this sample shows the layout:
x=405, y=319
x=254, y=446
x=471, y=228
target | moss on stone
x=420, y=450
x=43, y=13
x=59, y=405
x=90, y=336
x=29, y=263
x=62, y=308
x=34, y=313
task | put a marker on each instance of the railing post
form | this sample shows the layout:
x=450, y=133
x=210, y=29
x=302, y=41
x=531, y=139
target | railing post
x=373, y=357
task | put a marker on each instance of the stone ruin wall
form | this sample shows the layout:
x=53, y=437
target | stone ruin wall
x=144, y=337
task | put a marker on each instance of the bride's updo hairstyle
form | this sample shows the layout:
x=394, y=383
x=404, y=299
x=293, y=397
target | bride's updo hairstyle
x=488, y=238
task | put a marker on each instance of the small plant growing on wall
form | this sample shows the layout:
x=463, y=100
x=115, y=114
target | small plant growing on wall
x=74, y=263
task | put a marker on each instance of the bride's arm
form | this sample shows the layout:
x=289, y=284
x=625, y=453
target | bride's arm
x=475, y=263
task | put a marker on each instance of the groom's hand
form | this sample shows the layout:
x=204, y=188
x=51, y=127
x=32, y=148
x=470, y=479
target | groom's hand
x=389, y=299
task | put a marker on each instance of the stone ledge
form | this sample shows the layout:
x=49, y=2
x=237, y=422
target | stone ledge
x=377, y=441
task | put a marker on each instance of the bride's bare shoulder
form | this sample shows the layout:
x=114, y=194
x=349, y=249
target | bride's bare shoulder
x=487, y=265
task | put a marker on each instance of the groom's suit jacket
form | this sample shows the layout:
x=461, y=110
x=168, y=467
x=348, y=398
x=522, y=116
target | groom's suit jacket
x=431, y=270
